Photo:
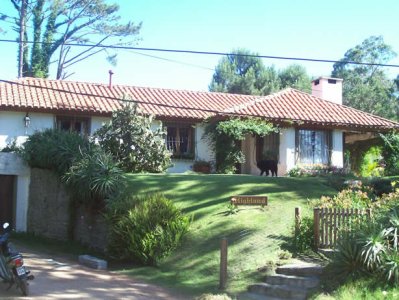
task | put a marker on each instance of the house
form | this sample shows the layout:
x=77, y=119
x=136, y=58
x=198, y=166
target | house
x=313, y=127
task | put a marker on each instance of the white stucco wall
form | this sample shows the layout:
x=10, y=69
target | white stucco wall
x=97, y=123
x=12, y=126
x=202, y=149
x=337, y=154
x=11, y=164
x=287, y=151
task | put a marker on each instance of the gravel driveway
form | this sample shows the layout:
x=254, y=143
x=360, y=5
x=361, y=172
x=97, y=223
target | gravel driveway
x=60, y=278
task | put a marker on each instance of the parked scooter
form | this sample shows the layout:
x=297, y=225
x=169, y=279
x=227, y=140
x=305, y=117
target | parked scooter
x=12, y=269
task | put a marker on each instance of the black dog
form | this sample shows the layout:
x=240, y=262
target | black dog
x=266, y=166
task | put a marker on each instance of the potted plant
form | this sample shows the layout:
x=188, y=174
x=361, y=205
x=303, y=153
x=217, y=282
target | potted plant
x=202, y=166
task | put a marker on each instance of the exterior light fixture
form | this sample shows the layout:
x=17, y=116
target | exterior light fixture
x=26, y=120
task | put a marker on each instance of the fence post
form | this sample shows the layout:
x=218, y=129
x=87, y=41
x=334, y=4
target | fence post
x=316, y=228
x=223, y=264
x=297, y=220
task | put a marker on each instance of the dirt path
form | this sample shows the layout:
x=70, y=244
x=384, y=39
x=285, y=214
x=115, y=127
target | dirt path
x=60, y=278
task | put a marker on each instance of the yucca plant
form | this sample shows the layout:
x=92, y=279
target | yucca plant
x=372, y=238
x=390, y=267
x=95, y=177
x=348, y=259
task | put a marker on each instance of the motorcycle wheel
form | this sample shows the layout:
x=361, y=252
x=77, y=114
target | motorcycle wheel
x=23, y=286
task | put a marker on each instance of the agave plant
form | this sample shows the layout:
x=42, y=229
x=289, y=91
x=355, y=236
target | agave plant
x=373, y=239
x=390, y=267
x=348, y=259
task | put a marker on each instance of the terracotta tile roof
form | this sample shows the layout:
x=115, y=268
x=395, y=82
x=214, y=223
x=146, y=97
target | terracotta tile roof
x=301, y=107
x=60, y=96
x=288, y=105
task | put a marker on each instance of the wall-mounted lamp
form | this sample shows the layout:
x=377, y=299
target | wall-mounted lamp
x=26, y=120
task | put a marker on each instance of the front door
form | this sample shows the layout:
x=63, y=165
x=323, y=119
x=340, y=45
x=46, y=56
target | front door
x=7, y=188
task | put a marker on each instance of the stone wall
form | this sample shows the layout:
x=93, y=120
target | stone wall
x=49, y=213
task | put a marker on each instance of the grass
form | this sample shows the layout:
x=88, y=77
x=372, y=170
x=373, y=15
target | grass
x=366, y=288
x=255, y=235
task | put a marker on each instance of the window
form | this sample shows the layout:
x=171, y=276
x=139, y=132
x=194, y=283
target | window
x=268, y=147
x=313, y=146
x=73, y=124
x=180, y=140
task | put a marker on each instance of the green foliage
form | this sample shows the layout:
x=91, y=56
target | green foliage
x=145, y=229
x=370, y=165
x=347, y=198
x=347, y=261
x=390, y=152
x=95, y=177
x=380, y=186
x=295, y=76
x=54, y=150
x=367, y=87
x=56, y=23
x=133, y=143
x=11, y=147
x=242, y=72
x=372, y=247
x=224, y=138
x=303, y=235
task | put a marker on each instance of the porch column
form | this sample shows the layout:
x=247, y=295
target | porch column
x=287, y=151
x=337, y=154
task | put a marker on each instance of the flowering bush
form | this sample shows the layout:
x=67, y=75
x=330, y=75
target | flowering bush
x=348, y=198
x=316, y=170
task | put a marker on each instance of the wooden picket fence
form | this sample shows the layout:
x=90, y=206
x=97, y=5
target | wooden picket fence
x=328, y=222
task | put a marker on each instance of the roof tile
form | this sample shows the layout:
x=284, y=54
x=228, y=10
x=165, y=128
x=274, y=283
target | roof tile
x=60, y=96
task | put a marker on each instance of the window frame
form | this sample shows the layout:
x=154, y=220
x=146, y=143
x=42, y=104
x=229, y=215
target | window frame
x=188, y=141
x=84, y=127
x=327, y=147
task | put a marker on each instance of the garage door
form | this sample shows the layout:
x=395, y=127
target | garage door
x=7, y=188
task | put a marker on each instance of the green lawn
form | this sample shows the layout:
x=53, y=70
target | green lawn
x=254, y=235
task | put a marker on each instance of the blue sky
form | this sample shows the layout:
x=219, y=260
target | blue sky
x=292, y=28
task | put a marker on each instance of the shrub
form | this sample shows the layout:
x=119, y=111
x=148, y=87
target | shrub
x=54, y=150
x=390, y=152
x=348, y=198
x=371, y=163
x=133, y=143
x=147, y=230
x=304, y=235
x=380, y=186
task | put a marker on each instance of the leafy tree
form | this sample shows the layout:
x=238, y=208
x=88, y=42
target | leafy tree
x=295, y=76
x=390, y=152
x=56, y=23
x=242, y=72
x=367, y=87
x=133, y=143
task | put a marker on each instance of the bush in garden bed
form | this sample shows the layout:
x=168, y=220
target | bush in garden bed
x=145, y=229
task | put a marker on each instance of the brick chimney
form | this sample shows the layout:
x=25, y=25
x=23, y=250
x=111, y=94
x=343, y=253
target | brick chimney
x=328, y=88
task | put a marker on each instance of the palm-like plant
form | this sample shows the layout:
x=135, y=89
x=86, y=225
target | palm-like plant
x=390, y=267
x=373, y=240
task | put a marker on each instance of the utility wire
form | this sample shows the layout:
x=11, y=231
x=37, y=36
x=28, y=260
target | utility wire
x=213, y=53
x=119, y=99
x=213, y=111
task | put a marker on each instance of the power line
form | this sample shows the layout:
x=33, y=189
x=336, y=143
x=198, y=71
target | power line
x=121, y=99
x=214, y=53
